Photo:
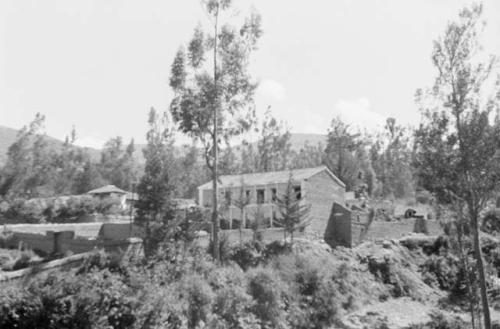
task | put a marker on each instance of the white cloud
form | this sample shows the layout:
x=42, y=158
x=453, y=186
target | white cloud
x=358, y=114
x=272, y=89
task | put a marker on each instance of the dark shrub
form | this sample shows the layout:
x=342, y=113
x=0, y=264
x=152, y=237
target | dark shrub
x=63, y=300
x=248, y=254
x=225, y=224
x=276, y=248
x=491, y=221
x=7, y=240
x=224, y=247
x=448, y=272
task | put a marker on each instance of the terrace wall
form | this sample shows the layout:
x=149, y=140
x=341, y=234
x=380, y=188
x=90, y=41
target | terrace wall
x=343, y=231
x=65, y=241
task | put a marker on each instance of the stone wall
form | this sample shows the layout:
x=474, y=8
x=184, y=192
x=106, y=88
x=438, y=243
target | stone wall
x=65, y=241
x=344, y=231
x=339, y=229
x=393, y=230
x=321, y=192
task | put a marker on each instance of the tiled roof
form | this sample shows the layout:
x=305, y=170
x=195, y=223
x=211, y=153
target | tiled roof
x=269, y=178
x=107, y=189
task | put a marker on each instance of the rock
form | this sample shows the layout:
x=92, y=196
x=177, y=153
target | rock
x=386, y=244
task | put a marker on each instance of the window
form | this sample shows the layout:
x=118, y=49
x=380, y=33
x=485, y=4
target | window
x=260, y=196
x=228, y=197
x=274, y=195
x=298, y=193
x=247, y=195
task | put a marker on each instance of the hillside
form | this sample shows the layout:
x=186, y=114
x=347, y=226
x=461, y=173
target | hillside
x=8, y=136
x=409, y=283
x=298, y=140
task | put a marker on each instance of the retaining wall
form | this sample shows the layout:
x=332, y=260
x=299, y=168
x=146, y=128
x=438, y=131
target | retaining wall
x=344, y=231
x=129, y=250
x=65, y=241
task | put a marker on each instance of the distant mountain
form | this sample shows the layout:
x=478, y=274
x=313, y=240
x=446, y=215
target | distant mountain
x=298, y=140
x=8, y=136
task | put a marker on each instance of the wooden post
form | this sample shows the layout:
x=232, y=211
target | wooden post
x=230, y=217
x=271, y=214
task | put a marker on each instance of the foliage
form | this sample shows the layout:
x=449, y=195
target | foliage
x=199, y=296
x=59, y=210
x=448, y=272
x=118, y=165
x=294, y=213
x=39, y=167
x=457, y=145
x=248, y=254
x=61, y=301
x=441, y=321
x=215, y=103
x=273, y=147
x=307, y=156
x=340, y=152
x=491, y=221
x=269, y=295
x=391, y=157
x=153, y=209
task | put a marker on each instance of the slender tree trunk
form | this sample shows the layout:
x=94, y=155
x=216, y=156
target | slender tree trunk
x=215, y=215
x=465, y=264
x=482, y=277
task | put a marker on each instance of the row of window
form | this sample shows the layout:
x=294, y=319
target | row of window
x=261, y=195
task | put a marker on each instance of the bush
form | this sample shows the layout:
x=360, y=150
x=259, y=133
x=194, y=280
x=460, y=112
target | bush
x=319, y=293
x=24, y=211
x=7, y=240
x=491, y=221
x=448, y=272
x=440, y=321
x=424, y=197
x=199, y=296
x=276, y=248
x=97, y=299
x=224, y=247
x=232, y=304
x=248, y=254
x=268, y=292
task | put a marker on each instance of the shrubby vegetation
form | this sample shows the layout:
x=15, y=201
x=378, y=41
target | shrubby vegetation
x=186, y=291
x=58, y=210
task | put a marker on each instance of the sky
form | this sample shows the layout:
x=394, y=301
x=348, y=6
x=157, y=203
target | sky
x=100, y=65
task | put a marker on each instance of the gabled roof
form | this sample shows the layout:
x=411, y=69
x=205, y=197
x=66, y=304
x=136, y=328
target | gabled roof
x=271, y=177
x=107, y=189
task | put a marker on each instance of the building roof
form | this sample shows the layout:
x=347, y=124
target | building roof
x=107, y=189
x=271, y=177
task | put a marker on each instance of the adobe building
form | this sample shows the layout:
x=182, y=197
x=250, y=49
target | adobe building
x=317, y=186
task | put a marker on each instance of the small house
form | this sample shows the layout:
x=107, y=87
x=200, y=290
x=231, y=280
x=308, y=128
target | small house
x=317, y=186
x=111, y=191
